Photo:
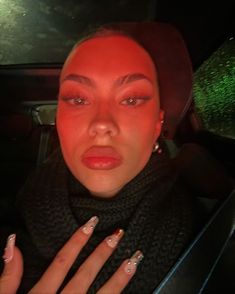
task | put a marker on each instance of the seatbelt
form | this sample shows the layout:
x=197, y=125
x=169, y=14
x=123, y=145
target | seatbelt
x=194, y=268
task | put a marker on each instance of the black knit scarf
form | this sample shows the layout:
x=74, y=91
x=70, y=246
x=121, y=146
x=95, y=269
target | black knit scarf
x=152, y=209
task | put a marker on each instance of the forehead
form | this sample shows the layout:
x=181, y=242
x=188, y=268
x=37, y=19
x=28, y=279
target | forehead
x=116, y=55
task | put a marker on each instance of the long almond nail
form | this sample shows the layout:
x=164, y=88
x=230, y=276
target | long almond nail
x=90, y=225
x=9, y=249
x=113, y=239
x=133, y=262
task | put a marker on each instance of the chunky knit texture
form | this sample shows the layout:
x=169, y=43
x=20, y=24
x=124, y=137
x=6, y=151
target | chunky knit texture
x=154, y=211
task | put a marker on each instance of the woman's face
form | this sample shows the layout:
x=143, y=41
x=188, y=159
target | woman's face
x=108, y=115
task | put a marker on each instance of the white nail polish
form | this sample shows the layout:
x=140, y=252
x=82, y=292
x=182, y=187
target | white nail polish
x=9, y=249
x=133, y=262
x=90, y=225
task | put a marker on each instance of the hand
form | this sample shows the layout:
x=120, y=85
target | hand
x=85, y=275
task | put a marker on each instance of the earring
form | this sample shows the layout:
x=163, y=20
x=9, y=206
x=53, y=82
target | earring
x=156, y=148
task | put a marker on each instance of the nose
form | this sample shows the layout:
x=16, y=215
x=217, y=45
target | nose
x=103, y=123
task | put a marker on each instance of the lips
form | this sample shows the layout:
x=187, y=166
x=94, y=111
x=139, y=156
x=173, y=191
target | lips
x=101, y=158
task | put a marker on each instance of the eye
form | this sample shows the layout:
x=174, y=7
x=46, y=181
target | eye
x=134, y=101
x=80, y=101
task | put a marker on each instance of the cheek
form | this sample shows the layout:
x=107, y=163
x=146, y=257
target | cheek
x=144, y=128
x=141, y=136
x=69, y=130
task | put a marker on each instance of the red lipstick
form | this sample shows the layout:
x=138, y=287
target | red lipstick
x=101, y=158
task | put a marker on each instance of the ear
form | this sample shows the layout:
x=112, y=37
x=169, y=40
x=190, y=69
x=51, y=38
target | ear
x=159, y=124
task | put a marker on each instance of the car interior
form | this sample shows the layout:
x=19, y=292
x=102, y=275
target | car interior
x=202, y=148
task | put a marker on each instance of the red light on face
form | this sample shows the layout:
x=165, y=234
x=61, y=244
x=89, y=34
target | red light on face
x=108, y=120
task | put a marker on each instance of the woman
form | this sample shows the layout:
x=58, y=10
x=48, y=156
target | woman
x=110, y=175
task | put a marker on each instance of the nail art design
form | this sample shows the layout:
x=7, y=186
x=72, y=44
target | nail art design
x=133, y=262
x=90, y=225
x=113, y=240
x=9, y=249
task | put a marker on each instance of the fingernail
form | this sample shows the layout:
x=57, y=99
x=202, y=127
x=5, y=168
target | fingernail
x=9, y=249
x=133, y=262
x=113, y=239
x=90, y=225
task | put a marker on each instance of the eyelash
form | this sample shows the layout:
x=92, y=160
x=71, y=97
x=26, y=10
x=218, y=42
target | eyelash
x=73, y=100
x=130, y=101
x=135, y=101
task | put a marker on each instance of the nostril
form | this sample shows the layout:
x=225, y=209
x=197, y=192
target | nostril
x=103, y=127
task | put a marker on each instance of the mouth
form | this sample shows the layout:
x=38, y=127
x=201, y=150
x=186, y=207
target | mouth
x=101, y=158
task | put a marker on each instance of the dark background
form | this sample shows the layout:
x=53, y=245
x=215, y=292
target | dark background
x=205, y=25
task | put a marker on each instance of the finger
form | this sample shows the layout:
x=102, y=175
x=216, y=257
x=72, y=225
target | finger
x=13, y=268
x=55, y=274
x=123, y=275
x=90, y=268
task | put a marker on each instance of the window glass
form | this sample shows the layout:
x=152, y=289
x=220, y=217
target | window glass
x=44, y=31
x=214, y=89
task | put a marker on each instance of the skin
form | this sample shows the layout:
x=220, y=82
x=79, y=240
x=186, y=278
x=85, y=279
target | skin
x=53, y=277
x=102, y=112
x=103, y=109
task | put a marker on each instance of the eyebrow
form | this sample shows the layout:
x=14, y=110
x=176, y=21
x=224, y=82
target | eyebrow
x=129, y=78
x=126, y=79
x=79, y=79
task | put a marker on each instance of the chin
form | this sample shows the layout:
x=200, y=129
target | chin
x=102, y=183
x=103, y=190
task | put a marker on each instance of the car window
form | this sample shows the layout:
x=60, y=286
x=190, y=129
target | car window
x=44, y=31
x=214, y=88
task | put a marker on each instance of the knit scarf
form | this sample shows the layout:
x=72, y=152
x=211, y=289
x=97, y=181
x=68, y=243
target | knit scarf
x=154, y=211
